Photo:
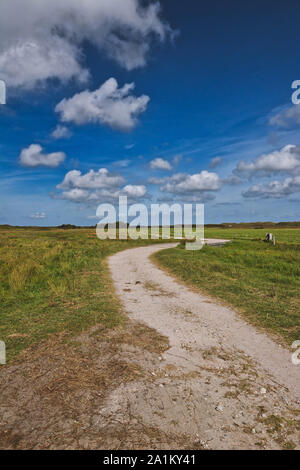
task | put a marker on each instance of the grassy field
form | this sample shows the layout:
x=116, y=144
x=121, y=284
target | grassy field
x=261, y=280
x=55, y=281
x=283, y=235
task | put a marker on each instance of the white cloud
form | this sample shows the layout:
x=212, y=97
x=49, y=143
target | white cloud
x=32, y=156
x=216, y=161
x=286, y=160
x=287, y=117
x=110, y=105
x=274, y=189
x=103, y=195
x=38, y=215
x=42, y=40
x=61, y=132
x=76, y=195
x=160, y=164
x=197, y=183
x=135, y=190
x=97, y=186
x=91, y=180
x=27, y=63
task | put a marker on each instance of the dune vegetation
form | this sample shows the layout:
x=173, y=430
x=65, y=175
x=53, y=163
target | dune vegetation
x=55, y=281
x=262, y=281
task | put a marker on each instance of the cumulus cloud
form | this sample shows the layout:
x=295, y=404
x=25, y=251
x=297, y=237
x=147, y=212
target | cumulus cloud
x=33, y=156
x=189, y=188
x=91, y=180
x=286, y=160
x=38, y=215
x=274, y=189
x=103, y=195
x=76, y=195
x=216, y=161
x=24, y=64
x=160, y=164
x=61, y=132
x=94, y=187
x=43, y=40
x=110, y=105
x=287, y=117
x=135, y=191
x=197, y=183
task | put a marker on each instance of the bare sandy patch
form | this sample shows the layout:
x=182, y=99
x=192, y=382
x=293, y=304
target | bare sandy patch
x=221, y=382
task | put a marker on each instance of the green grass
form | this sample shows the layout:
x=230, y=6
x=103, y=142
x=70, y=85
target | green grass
x=286, y=235
x=55, y=281
x=261, y=280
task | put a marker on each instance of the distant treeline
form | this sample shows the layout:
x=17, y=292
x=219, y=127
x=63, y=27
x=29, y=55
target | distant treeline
x=36, y=227
x=246, y=225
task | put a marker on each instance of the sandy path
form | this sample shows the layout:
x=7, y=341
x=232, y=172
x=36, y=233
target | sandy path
x=221, y=379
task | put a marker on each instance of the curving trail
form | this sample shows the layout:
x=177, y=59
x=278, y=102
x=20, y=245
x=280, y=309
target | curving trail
x=221, y=379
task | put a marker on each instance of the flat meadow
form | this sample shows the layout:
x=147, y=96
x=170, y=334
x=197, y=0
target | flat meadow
x=258, y=279
x=56, y=281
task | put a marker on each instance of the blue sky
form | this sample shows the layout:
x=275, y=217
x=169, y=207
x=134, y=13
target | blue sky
x=209, y=119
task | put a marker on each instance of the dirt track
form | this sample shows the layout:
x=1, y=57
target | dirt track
x=221, y=380
x=181, y=373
